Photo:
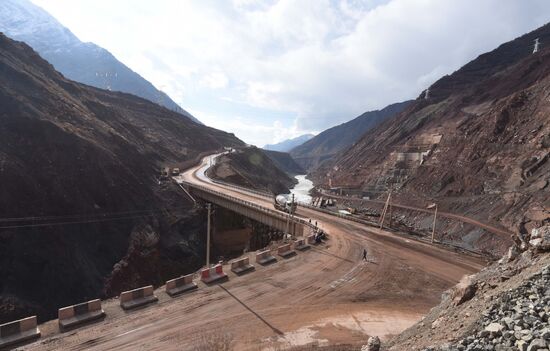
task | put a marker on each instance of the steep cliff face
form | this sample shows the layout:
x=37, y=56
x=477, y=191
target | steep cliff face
x=78, y=168
x=478, y=144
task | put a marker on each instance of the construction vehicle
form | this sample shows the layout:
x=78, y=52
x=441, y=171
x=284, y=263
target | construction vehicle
x=285, y=203
x=164, y=173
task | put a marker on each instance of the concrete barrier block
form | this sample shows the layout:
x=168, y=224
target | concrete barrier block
x=213, y=274
x=17, y=332
x=137, y=297
x=285, y=251
x=180, y=285
x=79, y=314
x=241, y=266
x=301, y=245
x=265, y=257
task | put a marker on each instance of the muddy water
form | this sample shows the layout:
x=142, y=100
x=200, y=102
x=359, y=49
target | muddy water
x=301, y=190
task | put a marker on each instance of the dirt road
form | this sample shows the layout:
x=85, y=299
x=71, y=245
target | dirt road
x=326, y=295
x=488, y=227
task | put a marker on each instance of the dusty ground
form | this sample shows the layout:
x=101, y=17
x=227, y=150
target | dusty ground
x=326, y=295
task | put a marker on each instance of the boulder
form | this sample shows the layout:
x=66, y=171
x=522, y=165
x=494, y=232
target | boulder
x=373, y=344
x=537, y=344
x=511, y=255
x=494, y=328
x=540, y=238
x=464, y=291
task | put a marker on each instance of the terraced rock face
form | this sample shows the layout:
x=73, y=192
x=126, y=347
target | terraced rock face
x=85, y=162
x=478, y=145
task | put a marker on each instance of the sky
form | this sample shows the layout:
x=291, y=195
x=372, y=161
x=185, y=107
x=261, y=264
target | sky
x=275, y=69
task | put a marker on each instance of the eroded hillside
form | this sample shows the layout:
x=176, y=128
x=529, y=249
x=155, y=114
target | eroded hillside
x=251, y=167
x=80, y=197
x=478, y=144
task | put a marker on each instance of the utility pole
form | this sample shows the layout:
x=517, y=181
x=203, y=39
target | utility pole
x=292, y=214
x=287, y=224
x=433, y=229
x=209, y=207
x=383, y=214
x=391, y=212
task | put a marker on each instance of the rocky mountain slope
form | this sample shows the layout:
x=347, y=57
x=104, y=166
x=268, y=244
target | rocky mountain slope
x=285, y=162
x=289, y=144
x=478, y=145
x=504, y=307
x=251, y=167
x=81, y=208
x=327, y=144
x=83, y=62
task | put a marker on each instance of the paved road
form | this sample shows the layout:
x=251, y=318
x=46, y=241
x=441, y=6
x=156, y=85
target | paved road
x=326, y=295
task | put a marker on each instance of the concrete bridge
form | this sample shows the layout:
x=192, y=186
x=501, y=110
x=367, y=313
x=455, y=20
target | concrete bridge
x=276, y=219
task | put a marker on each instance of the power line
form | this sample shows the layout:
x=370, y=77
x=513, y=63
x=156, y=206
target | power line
x=84, y=218
x=73, y=222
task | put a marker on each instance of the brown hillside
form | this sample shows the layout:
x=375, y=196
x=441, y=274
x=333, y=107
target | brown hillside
x=78, y=169
x=479, y=145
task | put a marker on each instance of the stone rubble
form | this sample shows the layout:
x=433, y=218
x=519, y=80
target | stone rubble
x=518, y=320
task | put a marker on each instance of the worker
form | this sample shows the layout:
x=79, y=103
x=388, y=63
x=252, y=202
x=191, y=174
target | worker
x=365, y=254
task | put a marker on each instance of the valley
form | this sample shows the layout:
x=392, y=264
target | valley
x=321, y=285
x=400, y=200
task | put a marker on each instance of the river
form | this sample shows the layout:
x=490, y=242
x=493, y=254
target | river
x=301, y=190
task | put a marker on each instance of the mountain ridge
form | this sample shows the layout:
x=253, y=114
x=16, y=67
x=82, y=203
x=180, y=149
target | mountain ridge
x=87, y=63
x=288, y=144
x=328, y=143
x=478, y=145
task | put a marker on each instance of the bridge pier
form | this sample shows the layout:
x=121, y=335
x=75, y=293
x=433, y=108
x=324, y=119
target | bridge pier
x=270, y=217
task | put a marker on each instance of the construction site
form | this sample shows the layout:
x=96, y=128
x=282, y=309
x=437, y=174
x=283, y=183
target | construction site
x=292, y=293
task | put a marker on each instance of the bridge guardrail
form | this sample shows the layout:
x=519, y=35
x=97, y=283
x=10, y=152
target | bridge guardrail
x=303, y=204
x=263, y=209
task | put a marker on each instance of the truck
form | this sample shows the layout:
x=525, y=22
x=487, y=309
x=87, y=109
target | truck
x=164, y=173
x=285, y=203
x=176, y=172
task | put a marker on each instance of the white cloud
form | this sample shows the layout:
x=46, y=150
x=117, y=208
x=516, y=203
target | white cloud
x=319, y=62
x=215, y=80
